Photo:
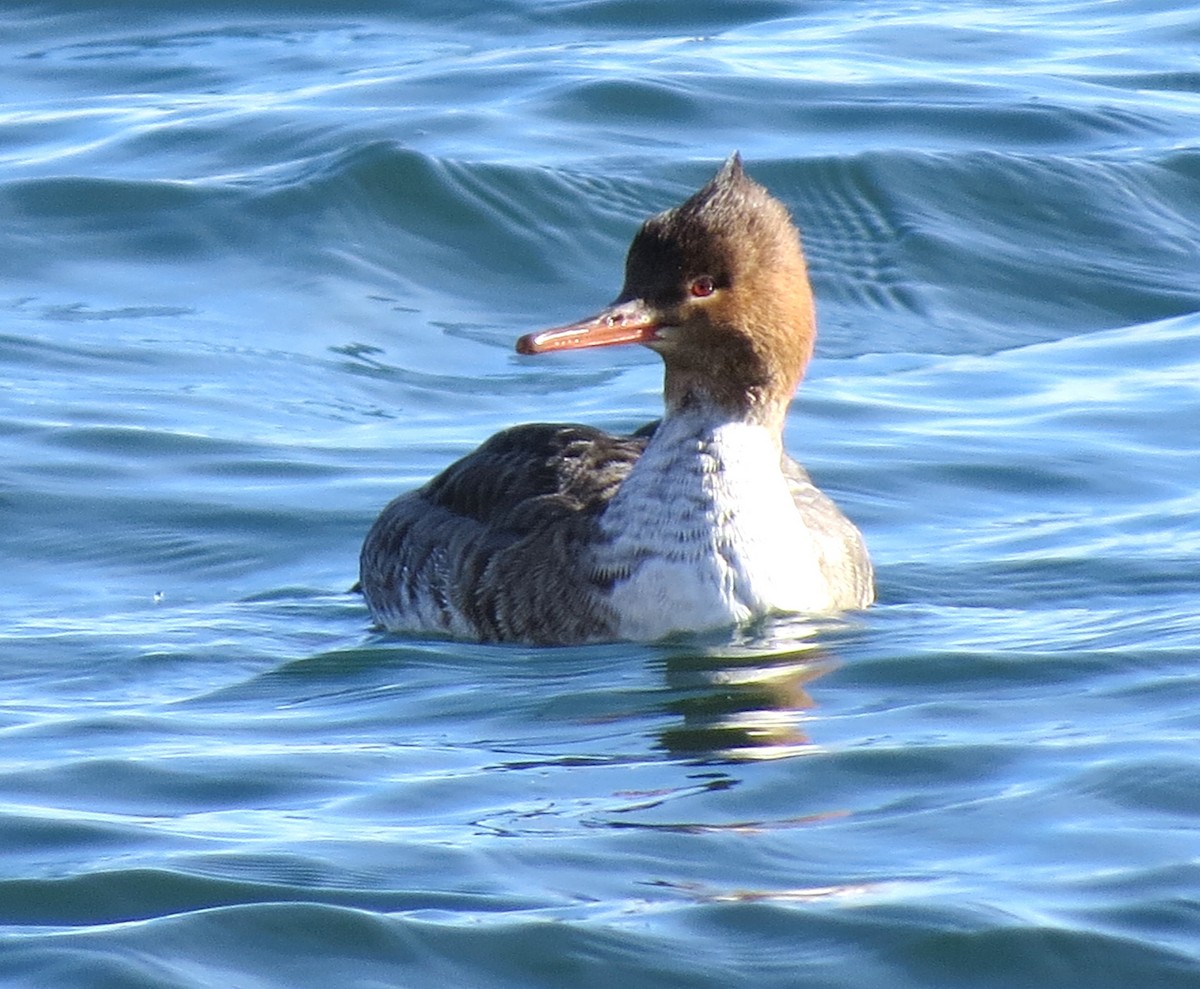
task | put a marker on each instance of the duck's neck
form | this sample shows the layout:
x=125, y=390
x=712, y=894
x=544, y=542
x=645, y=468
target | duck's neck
x=699, y=421
x=700, y=452
x=716, y=398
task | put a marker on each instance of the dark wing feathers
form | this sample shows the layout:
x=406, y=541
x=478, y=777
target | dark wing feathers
x=491, y=538
x=524, y=471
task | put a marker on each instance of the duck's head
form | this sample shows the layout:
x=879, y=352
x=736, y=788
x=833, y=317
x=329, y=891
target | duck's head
x=718, y=286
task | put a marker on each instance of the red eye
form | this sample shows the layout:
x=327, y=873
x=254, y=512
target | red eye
x=703, y=286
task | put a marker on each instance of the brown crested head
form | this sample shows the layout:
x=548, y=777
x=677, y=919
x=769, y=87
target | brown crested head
x=718, y=286
x=726, y=274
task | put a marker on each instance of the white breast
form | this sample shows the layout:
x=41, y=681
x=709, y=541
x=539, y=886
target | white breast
x=704, y=533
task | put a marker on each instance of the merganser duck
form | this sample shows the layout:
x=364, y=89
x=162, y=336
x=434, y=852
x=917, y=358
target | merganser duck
x=558, y=534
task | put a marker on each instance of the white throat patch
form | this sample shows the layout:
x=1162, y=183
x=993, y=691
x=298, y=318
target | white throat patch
x=704, y=533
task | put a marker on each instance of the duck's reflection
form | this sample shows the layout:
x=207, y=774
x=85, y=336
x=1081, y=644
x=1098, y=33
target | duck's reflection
x=746, y=699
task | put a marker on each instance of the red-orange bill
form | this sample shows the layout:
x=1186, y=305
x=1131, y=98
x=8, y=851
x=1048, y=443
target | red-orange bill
x=625, y=323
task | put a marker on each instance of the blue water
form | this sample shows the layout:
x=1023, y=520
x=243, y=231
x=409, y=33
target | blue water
x=261, y=268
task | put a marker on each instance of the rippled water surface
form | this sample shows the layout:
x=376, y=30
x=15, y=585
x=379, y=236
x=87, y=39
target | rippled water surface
x=262, y=267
